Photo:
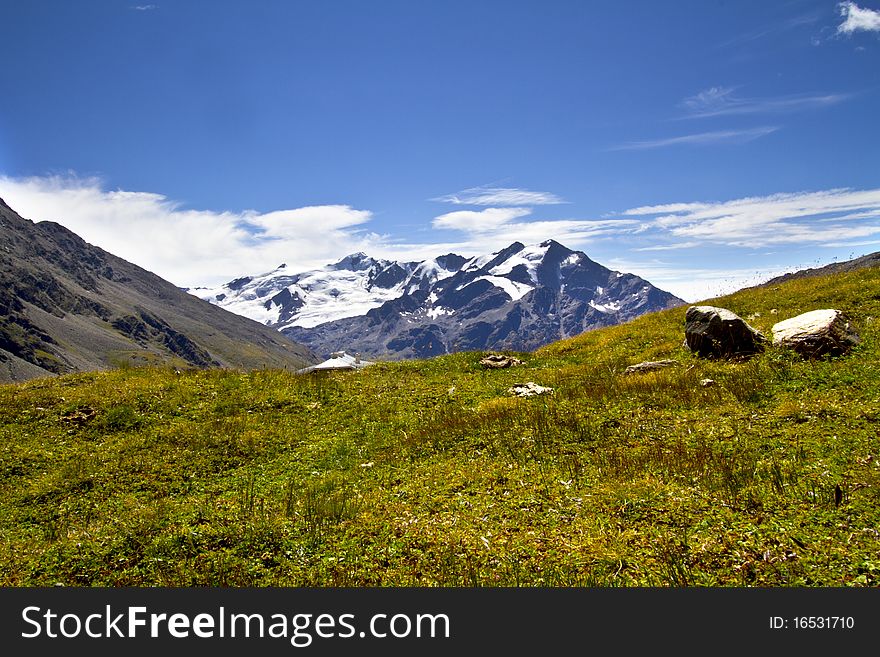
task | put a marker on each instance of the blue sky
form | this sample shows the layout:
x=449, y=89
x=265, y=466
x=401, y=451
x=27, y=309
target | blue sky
x=700, y=144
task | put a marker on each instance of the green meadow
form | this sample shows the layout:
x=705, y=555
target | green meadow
x=429, y=473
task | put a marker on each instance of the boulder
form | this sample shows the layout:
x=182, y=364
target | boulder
x=498, y=361
x=649, y=366
x=713, y=332
x=816, y=333
x=529, y=389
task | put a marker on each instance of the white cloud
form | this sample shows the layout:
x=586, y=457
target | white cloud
x=573, y=233
x=190, y=247
x=500, y=196
x=849, y=244
x=722, y=101
x=290, y=224
x=144, y=7
x=712, y=97
x=693, y=283
x=669, y=247
x=774, y=29
x=804, y=218
x=857, y=19
x=479, y=221
x=492, y=228
x=717, y=136
x=669, y=207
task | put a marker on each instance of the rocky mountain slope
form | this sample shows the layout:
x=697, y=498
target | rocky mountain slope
x=519, y=298
x=869, y=260
x=66, y=306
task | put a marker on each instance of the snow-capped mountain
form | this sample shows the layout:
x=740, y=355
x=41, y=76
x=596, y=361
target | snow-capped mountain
x=518, y=298
x=347, y=288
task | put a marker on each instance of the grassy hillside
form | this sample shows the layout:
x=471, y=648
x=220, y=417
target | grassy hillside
x=428, y=473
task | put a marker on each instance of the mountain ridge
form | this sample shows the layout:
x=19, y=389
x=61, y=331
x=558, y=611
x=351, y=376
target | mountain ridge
x=853, y=264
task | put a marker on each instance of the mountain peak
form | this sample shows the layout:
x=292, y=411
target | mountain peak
x=552, y=248
x=551, y=243
x=354, y=262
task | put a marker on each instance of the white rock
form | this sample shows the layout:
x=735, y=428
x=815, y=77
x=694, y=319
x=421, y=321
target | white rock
x=816, y=333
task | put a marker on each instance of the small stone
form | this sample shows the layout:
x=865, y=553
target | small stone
x=650, y=366
x=529, y=389
x=707, y=383
x=499, y=361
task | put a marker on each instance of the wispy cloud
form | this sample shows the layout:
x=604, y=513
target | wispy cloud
x=773, y=29
x=144, y=7
x=698, y=139
x=824, y=217
x=668, y=207
x=722, y=101
x=694, y=283
x=500, y=196
x=852, y=244
x=486, y=230
x=479, y=221
x=857, y=19
x=669, y=247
